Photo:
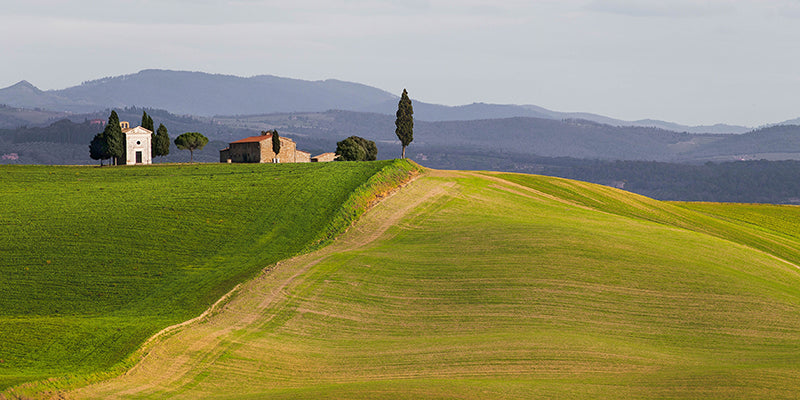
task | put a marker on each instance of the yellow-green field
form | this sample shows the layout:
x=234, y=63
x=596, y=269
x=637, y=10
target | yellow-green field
x=480, y=285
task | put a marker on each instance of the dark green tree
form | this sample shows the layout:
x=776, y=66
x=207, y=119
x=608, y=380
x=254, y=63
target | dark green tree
x=405, y=121
x=370, y=149
x=160, y=142
x=191, y=141
x=98, y=148
x=350, y=150
x=356, y=148
x=276, y=143
x=147, y=122
x=114, y=138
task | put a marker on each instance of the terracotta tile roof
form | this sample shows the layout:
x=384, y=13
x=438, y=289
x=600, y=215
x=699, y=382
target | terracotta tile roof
x=253, y=139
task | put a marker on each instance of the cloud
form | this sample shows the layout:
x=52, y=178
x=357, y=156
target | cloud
x=660, y=8
x=593, y=55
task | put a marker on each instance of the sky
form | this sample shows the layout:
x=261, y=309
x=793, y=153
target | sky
x=687, y=61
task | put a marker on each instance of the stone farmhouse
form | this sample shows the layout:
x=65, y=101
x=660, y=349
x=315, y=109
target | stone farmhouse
x=258, y=149
x=137, y=144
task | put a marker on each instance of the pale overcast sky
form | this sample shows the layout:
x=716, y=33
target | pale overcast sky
x=687, y=61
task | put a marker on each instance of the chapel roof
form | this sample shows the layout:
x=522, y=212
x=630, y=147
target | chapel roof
x=137, y=129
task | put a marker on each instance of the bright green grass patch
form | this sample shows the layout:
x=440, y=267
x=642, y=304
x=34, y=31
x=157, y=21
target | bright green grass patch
x=529, y=287
x=779, y=220
x=770, y=228
x=95, y=260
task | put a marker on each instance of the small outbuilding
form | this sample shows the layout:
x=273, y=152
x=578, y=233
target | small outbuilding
x=258, y=149
x=325, y=157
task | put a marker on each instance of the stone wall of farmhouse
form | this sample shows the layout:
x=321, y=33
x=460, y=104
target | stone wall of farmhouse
x=286, y=155
x=245, y=152
x=261, y=152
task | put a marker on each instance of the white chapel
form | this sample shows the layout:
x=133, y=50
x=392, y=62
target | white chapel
x=137, y=144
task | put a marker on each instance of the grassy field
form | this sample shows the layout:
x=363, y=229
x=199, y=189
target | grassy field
x=96, y=260
x=480, y=285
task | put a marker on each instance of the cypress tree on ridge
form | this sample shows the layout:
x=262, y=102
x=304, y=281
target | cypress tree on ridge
x=404, y=121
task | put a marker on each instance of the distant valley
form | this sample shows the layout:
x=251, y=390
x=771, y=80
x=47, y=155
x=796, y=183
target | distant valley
x=662, y=164
x=655, y=158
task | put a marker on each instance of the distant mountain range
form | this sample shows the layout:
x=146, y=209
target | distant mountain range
x=197, y=93
x=203, y=94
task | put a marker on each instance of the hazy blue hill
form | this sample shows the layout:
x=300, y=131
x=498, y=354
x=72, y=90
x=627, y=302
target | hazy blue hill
x=24, y=91
x=536, y=136
x=463, y=143
x=205, y=94
x=200, y=93
x=26, y=95
x=774, y=142
x=715, y=129
x=517, y=135
x=569, y=138
x=13, y=117
x=436, y=112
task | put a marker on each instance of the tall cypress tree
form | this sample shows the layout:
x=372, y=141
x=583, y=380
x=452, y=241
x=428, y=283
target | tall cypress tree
x=276, y=143
x=160, y=141
x=404, y=121
x=147, y=122
x=112, y=134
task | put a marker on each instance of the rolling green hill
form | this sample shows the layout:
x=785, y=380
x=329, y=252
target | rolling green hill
x=96, y=260
x=481, y=285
